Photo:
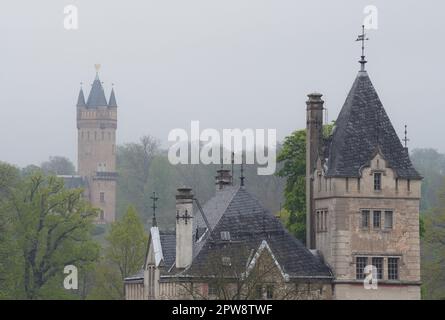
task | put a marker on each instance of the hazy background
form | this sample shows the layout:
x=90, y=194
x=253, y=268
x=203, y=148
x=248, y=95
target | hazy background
x=227, y=63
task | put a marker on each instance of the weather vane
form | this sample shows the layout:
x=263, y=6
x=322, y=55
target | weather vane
x=362, y=38
x=154, y=198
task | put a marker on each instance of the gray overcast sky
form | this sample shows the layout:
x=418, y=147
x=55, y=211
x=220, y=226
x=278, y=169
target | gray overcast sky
x=227, y=63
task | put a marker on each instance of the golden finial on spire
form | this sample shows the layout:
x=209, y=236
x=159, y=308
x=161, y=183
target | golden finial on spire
x=97, y=67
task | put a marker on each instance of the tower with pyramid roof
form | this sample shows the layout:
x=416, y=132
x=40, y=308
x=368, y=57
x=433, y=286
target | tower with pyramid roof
x=96, y=125
x=363, y=197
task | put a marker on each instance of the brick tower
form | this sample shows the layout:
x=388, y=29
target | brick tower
x=96, y=125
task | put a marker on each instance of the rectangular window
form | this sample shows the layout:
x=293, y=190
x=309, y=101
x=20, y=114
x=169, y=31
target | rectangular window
x=377, y=181
x=325, y=221
x=225, y=235
x=358, y=184
x=258, y=292
x=269, y=292
x=388, y=219
x=378, y=264
x=365, y=219
x=102, y=197
x=409, y=185
x=393, y=268
x=397, y=184
x=376, y=219
x=213, y=289
x=361, y=263
x=347, y=184
x=226, y=261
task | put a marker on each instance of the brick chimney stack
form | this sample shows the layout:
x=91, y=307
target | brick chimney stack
x=184, y=227
x=314, y=136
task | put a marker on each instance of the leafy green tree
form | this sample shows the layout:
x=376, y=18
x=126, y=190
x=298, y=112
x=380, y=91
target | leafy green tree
x=293, y=159
x=431, y=165
x=127, y=243
x=9, y=178
x=433, y=250
x=293, y=155
x=52, y=228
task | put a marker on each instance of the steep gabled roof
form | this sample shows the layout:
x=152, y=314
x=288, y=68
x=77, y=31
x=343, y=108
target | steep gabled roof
x=362, y=128
x=249, y=224
x=96, y=98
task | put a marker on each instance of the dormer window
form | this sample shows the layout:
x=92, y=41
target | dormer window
x=225, y=235
x=226, y=261
x=377, y=181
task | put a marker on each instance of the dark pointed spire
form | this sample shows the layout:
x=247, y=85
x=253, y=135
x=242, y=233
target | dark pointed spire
x=81, y=98
x=96, y=98
x=154, y=198
x=362, y=38
x=112, y=101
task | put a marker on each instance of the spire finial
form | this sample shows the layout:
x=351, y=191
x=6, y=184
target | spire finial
x=154, y=198
x=242, y=171
x=362, y=38
x=406, y=136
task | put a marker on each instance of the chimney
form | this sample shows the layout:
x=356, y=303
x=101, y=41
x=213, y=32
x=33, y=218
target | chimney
x=223, y=179
x=184, y=227
x=314, y=136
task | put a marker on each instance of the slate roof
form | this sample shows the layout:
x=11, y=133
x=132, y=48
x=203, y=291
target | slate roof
x=249, y=225
x=168, y=243
x=236, y=211
x=73, y=182
x=81, y=99
x=96, y=98
x=361, y=128
x=112, y=102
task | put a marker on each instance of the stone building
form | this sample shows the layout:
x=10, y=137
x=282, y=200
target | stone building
x=96, y=141
x=362, y=201
x=363, y=197
x=230, y=248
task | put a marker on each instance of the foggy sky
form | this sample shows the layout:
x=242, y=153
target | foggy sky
x=227, y=63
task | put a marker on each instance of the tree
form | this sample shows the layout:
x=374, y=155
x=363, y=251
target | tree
x=58, y=166
x=293, y=157
x=52, y=228
x=9, y=178
x=134, y=161
x=431, y=165
x=433, y=250
x=127, y=242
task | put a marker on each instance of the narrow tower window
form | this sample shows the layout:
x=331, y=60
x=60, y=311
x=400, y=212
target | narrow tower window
x=376, y=219
x=365, y=219
x=377, y=181
x=102, y=197
x=388, y=219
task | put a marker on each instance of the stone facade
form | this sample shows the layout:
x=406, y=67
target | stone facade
x=363, y=198
x=343, y=239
